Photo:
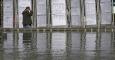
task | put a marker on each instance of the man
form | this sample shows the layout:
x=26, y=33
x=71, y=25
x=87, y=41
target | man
x=27, y=13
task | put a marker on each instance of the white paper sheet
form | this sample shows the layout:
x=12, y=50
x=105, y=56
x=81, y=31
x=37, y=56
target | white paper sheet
x=76, y=20
x=90, y=10
x=8, y=14
x=75, y=13
x=58, y=12
x=58, y=20
x=91, y=19
x=41, y=13
x=41, y=21
x=106, y=12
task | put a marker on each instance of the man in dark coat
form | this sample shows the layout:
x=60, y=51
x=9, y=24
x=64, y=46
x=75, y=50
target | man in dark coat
x=27, y=13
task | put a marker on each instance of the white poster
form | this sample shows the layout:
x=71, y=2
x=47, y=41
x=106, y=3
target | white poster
x=106, y=12
x=8, y=14
x=58, y=12
x=41, y=13
x=90, y=10
x=75, y=13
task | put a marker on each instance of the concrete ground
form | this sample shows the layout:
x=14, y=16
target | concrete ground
x=67, y=45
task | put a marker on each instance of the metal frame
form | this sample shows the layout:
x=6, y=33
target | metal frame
x=15, y=14
x=34, y=13
x=68, y=13
x=48, y=11
x=98, y=14
x=84, y=14
x=83, y=23
x=49, y=42
x=81, y=13
x=1, y=12
x=113, y=39
x=83, y=40
x=112, y=23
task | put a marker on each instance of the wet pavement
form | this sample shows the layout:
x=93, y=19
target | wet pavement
x=57, y=46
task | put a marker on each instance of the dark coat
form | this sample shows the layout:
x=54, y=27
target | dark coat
x=27, y=17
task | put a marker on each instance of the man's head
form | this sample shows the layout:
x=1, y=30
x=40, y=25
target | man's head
x=28, y=7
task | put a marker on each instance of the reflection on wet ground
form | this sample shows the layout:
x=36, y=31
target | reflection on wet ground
x=57, y=46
